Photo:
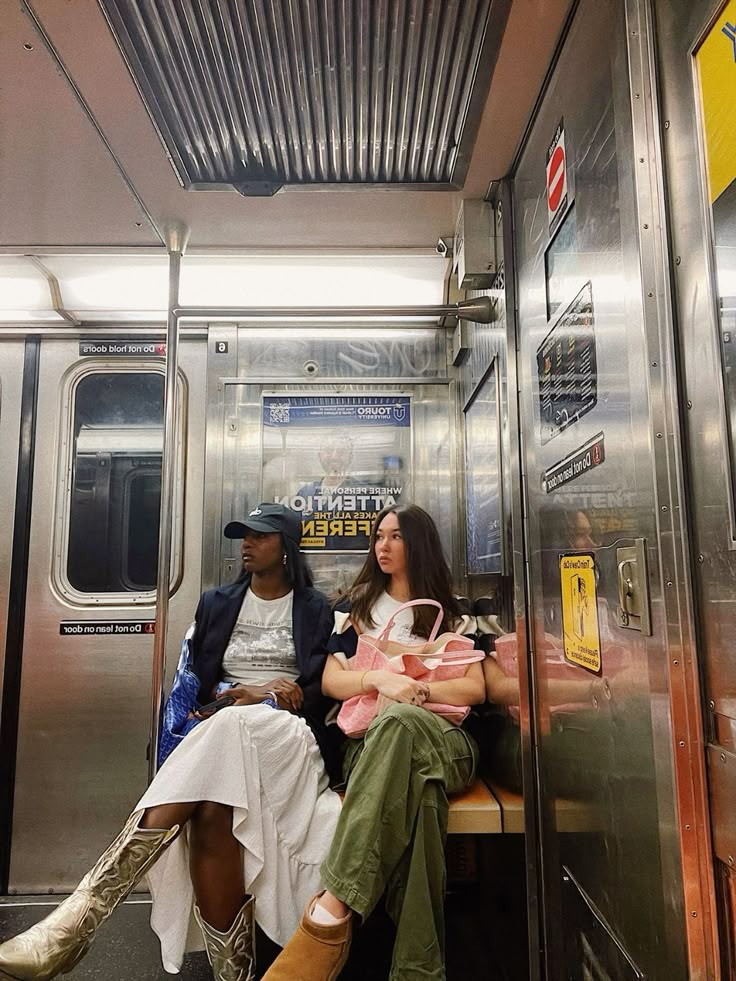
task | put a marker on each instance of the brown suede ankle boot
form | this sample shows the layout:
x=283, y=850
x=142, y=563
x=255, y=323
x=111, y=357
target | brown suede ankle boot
x=315, y=953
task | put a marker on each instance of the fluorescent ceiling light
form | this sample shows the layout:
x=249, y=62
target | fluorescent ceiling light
x=112, y=282
x=135, y=287
x=22, y=287
x=241, y=281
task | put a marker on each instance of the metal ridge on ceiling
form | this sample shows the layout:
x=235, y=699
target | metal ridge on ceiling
x=258, y=94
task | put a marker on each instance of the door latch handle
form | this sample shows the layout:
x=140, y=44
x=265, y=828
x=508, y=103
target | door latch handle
x=625, y=586
x=633, y=587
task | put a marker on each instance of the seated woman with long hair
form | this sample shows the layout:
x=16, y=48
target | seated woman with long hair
x=242, y=806
x=391, y=832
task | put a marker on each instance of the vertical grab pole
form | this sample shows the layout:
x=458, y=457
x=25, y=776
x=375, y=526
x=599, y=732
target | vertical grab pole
x=176, y=239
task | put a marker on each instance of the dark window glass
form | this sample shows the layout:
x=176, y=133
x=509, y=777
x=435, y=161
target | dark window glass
x=116, y=482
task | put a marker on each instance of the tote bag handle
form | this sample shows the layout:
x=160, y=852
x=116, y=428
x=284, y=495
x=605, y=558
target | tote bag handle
x=406, y=606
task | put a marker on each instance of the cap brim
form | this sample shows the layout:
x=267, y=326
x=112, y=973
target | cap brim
x=234, y=529
x=237, y=529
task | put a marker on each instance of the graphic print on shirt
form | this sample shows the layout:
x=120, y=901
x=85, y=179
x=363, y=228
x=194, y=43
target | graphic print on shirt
x=261, y=646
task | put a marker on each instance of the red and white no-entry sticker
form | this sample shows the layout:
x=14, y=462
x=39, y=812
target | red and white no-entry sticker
x=556, y=178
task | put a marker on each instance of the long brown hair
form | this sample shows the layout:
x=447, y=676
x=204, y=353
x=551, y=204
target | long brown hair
x=427, y=571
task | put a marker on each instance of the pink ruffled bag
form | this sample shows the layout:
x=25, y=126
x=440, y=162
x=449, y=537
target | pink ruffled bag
x=442, y=658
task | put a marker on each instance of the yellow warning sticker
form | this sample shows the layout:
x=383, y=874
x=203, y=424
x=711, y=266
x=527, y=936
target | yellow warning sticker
x=581, y=636
x=716, y=61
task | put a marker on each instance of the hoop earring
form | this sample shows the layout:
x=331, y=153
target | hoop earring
x=284, y=558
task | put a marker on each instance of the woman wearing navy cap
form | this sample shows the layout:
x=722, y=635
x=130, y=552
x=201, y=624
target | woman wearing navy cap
x=242, y=808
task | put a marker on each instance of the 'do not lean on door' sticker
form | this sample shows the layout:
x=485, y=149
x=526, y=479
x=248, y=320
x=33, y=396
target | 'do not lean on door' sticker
x=580, y=632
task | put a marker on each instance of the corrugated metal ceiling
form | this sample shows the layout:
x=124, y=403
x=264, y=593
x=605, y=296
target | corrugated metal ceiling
x=258, y=94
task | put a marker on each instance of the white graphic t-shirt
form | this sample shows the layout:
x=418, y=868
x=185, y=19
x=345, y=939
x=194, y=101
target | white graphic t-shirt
x=383, y=609
x=262, y=643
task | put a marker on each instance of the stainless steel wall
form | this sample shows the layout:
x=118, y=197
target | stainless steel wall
x=85, y=701
x=613, y=890
x=706, y=407
x=322, y=361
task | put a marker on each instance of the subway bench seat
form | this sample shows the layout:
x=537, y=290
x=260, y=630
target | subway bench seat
x=477, y=812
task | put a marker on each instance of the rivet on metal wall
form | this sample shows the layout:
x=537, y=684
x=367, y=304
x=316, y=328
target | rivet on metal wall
x=659, y=435
x=666, y=124
x=701, y=559
x=654, y=364
x=650, y=293
x=678, y=260
x=689, y=404
x=681, y=743
x=730, y=859
x=693, y=913
x=723, y=757
x=641, y=160
x=670, y=583
x=646, y=225
x=687, y=827
x=675, y=662
x=711, y=704
x=664, y=507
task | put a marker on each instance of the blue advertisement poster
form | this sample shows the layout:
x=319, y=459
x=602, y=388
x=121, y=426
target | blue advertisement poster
x=339, y=459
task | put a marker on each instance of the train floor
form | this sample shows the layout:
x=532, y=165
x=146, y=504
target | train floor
x=486, y=927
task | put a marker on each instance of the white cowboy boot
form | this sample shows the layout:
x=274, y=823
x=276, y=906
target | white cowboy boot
x=231, y=953
x=62, y=939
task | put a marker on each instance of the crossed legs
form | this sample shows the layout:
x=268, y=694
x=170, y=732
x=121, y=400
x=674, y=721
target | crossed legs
x=215, y=864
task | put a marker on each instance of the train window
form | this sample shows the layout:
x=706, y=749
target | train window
x=714, y=60
x=115, y=450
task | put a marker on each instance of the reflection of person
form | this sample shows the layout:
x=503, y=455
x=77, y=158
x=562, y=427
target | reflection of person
x=566, y=686
x=391, y=832
x=242, y=805
x=335, y=456
x=562, y=530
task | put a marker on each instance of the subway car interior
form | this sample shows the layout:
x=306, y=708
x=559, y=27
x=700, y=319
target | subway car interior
x=336, y=254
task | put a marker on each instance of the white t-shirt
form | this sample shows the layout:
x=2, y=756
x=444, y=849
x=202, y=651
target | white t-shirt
x=262, y=643
x=383, y=609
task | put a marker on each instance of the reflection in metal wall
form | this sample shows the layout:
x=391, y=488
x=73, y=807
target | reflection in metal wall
x=605, y=739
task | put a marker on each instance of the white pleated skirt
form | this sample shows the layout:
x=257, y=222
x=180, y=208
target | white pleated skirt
x=265, y=764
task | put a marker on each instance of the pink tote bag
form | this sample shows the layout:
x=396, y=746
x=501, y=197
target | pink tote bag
x=440, y=658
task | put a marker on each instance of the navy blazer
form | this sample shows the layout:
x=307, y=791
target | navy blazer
x=217, y=614
x=312, y=625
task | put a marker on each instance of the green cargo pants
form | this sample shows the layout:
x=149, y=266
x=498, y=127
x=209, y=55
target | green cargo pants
x=391, y=833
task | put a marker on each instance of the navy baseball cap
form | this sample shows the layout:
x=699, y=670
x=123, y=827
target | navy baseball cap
x=268, y=518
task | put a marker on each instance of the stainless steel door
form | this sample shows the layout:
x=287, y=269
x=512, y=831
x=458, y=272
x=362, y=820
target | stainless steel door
x=85, y=696
x=626, y=891
x=697, y=63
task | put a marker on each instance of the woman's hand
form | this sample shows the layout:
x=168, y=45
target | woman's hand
x=383, y=703
x=397, y=687
x=288, y=694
